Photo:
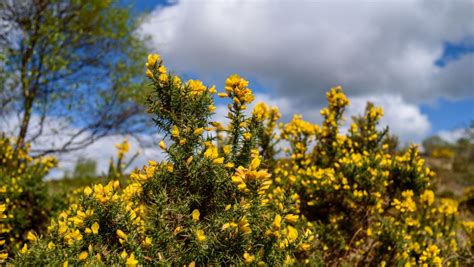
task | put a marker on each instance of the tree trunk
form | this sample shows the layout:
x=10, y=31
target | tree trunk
x=28, y=106
x=28, y=97
x=28, y=92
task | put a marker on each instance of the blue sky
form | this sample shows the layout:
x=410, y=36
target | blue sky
x=140, y=6
x=449, y=114
x=452, y=114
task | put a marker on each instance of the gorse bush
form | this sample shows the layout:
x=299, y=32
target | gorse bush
x=205, y=204
x=222, y=196
x=367, y=205
x=24, y=203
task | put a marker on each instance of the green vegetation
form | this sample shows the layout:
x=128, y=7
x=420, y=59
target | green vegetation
x=335, y=199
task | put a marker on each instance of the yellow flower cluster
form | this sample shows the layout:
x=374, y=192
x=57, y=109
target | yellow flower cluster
x=245, y=176
x=407, y=204
x=336, y=98
x=213, y=154
x=236, y=89
x=197, y=87
x=299, y=133
x=78, y=225
x=430, y=256
x=337, y=101
x=262, y=112
x=155, y=69
x=3, y=230
x=448, y=206
x=122, y=148
x=145, y=174
x=428, y=197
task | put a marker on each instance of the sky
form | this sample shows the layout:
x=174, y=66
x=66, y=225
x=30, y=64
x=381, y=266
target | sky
x=414, y=58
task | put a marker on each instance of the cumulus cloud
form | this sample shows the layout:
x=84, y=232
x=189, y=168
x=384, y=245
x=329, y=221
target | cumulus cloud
x=452, y=136
x=383, y=52
x=405, y=119
x=302, y=48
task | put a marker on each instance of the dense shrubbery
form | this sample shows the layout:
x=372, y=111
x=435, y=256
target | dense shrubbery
x=24, y=203
x=226, y=198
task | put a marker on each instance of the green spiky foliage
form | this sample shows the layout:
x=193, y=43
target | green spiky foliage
x=198, y=206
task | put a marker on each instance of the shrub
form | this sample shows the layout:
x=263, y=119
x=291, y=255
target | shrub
x=204, y=204
x=24, y=204
x=443, y=153
x=222, y=196
x=367, y=205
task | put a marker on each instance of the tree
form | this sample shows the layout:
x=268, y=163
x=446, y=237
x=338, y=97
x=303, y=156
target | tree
x=433, y=142
x=85, y=168
x=70, y=70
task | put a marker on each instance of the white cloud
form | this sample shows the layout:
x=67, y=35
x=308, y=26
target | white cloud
x=57, y=131
x=405, y=119
x=104, y=149
x=302, y=48
x=454, y=135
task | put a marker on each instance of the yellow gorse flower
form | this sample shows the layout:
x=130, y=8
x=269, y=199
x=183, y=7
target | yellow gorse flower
x=175, y=131
x=31, y=237
x=51, y=245
x=198, y=131
x=248, y=259
x=244, y=226
x=197, y=87
x=277, y=222
x=152, y=60
x=147, y=241
x=162, y=145
x=428, y=197
x=3, y=257
x=292, y=233
x=95, y=228
x=291, y=218
x=131, y=261
x=83, y=255
x=236, y=88
x=200, y=236
x=121, y=234
x=195, y=215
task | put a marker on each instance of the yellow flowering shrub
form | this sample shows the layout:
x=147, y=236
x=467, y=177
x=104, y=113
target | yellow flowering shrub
x=209, y=202
x=367, y=204
x=443, y=153
x=24, y=204
x=223, y=196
